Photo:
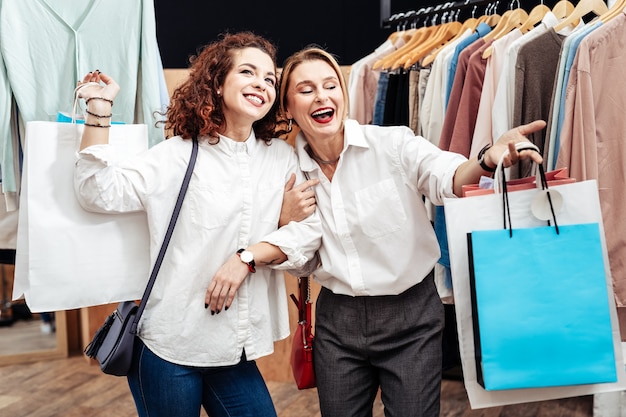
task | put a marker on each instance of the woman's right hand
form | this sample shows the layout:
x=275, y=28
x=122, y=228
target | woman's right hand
x=98, y=90
x=298, y=202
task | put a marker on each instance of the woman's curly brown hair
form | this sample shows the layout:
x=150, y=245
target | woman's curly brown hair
x=196, y=109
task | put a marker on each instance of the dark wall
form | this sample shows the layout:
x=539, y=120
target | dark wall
x=350, y=29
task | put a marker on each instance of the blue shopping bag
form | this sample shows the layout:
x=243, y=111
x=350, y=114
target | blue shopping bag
x=540, y=305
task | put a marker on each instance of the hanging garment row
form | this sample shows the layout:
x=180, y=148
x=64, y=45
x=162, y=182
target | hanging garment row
x=63, y=40
x=462, y=84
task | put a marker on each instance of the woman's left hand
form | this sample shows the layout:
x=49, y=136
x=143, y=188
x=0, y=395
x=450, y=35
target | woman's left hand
x=507, y=143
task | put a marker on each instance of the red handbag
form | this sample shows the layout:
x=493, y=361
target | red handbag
x=302, y=343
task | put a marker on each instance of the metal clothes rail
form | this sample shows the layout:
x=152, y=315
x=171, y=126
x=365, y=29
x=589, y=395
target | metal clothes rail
x=400, y=20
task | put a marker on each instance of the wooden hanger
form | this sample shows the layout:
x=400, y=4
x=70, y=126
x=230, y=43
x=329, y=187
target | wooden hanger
x=562, y=9
x=445, y=33
x=405, y=35
x=434, y=33
x=470, y=24
x=417, y=37
x=502, y=23
x=514, y=20
x=488, y=17
x=584, y=7
x=402, y=31
x=614, y=11
x=483, y=18
x=395, y=35
x=493, y=18
x=535, y=16
x=426, y=33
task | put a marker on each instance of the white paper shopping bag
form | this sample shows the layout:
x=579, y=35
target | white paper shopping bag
x=8, y=226
x=67, y=257
x=465, y=215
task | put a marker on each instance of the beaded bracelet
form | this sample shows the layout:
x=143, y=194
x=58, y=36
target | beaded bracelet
x=99, y=116
x=94, y=125
x=99, y=98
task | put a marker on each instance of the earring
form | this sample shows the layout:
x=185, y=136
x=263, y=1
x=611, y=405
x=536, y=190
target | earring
x=289, y=127
x=219, y=92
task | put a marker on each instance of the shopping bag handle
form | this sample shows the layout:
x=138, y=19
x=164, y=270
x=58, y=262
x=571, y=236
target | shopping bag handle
x=500, y=172
x=75, y=105
x=520, y=146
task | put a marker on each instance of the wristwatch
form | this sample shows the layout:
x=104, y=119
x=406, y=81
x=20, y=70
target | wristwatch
x=481, y=159
x=247, y=258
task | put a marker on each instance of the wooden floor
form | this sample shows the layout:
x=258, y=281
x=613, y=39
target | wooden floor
x=73, y=388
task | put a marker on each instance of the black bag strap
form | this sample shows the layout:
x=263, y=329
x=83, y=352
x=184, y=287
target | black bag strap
x=168, y=234
x=505, y=196
x=304, y=298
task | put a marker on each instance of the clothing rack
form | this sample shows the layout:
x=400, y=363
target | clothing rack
x=400, y=20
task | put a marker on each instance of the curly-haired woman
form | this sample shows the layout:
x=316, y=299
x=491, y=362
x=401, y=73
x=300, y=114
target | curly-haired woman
x=219, y=301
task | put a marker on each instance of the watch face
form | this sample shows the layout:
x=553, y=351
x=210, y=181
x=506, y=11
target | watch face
x=247, y=256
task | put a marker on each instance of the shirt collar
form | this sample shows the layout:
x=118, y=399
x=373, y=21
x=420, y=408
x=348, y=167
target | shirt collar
x=352, y=136
x=482, y=29
x=549, y=20
x=231, y=146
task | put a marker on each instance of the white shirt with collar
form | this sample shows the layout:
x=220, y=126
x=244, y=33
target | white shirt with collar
x=234, y=200
x=377, y=237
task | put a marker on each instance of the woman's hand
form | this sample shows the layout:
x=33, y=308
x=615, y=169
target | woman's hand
x=298, y=202
x=225, y=283
x=507, y=143
x=470, y=171
x=98, y=90
x=93, y=86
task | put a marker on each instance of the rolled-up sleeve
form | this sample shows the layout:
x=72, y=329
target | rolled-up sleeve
x=427, y=166
x=99, y=181
x=298, y=240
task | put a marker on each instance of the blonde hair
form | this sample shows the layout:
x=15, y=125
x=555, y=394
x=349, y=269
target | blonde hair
x=310, y=53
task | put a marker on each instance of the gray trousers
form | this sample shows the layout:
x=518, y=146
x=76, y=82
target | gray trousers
x=387, y=342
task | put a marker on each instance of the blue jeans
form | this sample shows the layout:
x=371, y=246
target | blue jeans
x=161, y=388
x=379, y=101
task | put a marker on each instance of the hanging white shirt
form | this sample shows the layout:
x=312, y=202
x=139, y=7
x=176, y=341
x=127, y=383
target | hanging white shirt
x=363, y=82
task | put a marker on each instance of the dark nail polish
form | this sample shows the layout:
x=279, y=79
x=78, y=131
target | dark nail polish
x=218, y=312
x=206, y=305
x=212, y=312
x=226, y=308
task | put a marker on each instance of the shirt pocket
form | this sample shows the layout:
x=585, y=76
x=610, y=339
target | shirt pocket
x=379, y=209
x=211, y=206
x=270, y=199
